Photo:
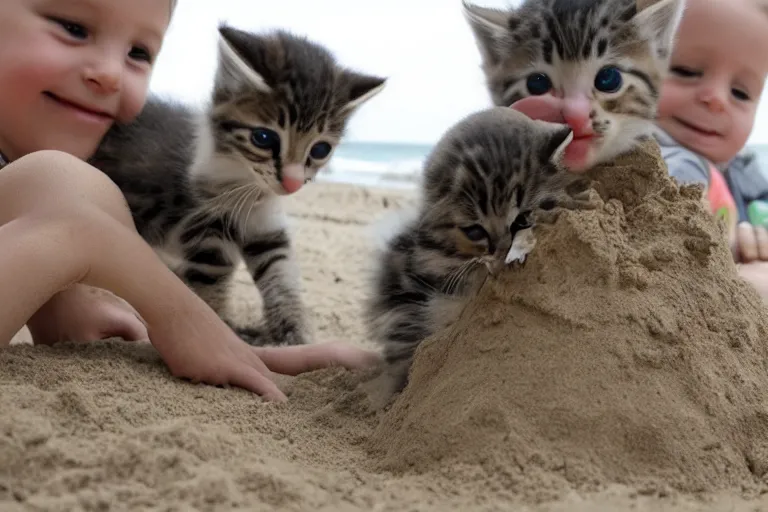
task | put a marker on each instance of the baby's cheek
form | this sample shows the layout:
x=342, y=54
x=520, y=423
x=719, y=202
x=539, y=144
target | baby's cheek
x=133, y=98
x=741, y=128
x=670, y=99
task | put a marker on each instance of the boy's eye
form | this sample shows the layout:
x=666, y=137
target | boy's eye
x=740, y=95
x=139, y=53
x=74, y=29
x=684, y=72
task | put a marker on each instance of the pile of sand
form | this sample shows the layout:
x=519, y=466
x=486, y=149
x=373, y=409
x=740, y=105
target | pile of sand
x=626, y=350
x=620, y=369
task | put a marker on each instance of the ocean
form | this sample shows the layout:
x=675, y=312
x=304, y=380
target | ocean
x=398, y=165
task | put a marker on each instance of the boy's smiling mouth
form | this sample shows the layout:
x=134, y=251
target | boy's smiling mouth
x=694, y=128
x=82, y=110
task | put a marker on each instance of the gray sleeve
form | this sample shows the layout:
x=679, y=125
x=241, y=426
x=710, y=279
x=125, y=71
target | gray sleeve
x=686, y=167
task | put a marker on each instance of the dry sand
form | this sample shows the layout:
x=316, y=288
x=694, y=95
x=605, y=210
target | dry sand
x=643, y=410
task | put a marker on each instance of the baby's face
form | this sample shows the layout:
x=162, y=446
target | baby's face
x=71, y=68
x=718, y=71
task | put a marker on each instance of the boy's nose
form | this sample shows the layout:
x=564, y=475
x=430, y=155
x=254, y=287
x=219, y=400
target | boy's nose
x=104, y=77
x=713, y=97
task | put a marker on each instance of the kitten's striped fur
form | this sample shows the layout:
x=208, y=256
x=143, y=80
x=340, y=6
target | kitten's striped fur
x=204, y=187
x=571, y=42
x=483, y=185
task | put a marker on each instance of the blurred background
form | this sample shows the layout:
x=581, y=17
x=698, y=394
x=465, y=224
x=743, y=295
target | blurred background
x=425, y=47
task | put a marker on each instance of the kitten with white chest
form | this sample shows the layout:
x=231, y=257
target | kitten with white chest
x=204, y=186
x=596, y=65
x=484, y=185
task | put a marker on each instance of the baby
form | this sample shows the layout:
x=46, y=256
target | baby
x=68, y=70
x=707, y=111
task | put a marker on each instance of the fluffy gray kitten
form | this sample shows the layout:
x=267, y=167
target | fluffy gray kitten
x=483, y=185
x=605, y=58
x=204, y=186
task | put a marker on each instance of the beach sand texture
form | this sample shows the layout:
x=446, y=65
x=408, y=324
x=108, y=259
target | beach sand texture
x=630, y=377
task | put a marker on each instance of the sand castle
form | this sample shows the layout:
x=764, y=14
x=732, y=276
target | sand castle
x=626, y=350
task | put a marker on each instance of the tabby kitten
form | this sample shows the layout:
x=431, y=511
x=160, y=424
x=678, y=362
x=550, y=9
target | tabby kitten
x=204, y=187
x=483, y=185
x=600, y=62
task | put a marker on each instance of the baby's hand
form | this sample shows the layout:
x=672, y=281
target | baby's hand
x=85, y=313
x=750, y=243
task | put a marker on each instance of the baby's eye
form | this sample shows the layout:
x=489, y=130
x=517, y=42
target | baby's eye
x=72, y=28
x=740, y=95
x=141, y=54
x=684, y=72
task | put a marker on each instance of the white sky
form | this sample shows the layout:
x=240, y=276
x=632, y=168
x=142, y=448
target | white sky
x=425, y=47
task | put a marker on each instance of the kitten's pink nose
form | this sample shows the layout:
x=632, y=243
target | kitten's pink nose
x=292, y=177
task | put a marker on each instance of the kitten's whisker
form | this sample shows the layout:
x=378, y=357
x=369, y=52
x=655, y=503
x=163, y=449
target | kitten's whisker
x=253, y=196
x=457, y=275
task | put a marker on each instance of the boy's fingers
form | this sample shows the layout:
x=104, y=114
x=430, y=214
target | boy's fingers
x=303, y=358
x=747, y=242
x=761, y=236
x=247, y=377
x=129, y=328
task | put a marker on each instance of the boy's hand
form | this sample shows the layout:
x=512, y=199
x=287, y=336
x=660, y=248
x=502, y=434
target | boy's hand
x=213, y=354
x=750, y=243
x=84, y=313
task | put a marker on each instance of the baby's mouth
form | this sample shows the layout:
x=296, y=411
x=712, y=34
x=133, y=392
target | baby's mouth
x=78, y=106
x=693, y=127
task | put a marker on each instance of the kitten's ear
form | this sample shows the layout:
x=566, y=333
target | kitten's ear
x=361, y=88
x=234, y=72
x=659, y=21
x=558, y=141
x=490, y=26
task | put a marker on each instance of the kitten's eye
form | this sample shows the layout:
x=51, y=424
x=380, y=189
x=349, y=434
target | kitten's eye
x=76, y=30
x=608, y=79
x=538, y=84
x=476, y=233
x=548, y=204
x=522, y=221
x=265, y=138
x=320, y=151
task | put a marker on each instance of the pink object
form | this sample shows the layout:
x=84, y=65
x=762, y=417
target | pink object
x=573, y=111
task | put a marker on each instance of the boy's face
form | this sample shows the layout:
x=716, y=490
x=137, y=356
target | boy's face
x=718, y=71
x=70, y=68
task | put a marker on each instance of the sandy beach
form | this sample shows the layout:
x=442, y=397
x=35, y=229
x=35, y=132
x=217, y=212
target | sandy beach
x=104, y=426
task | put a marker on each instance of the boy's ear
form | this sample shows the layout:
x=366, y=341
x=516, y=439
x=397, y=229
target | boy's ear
x=233, y=72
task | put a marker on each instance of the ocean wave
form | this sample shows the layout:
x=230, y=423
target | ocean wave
x=408, y=169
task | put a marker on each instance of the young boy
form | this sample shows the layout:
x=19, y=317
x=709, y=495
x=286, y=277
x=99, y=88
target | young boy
x=68, y=70
x=707, y=111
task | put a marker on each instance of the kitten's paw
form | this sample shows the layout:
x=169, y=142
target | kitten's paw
x=289, y=334
x=251, y=335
